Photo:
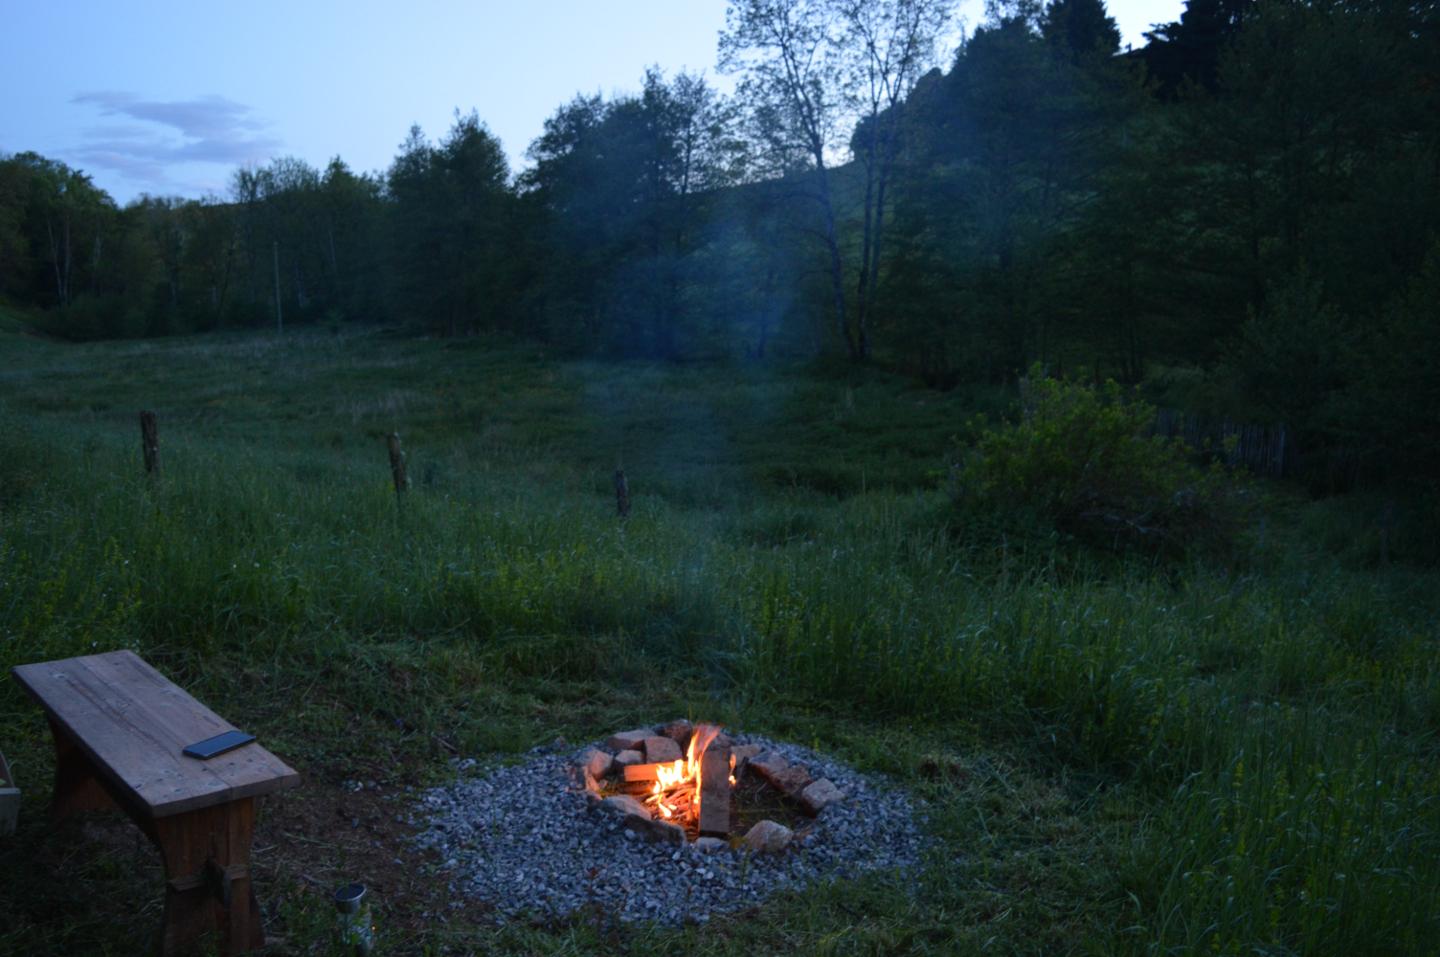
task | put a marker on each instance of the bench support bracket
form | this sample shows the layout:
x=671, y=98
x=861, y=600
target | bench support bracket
x=77, y=786
x=206, y=853
x=207, y=870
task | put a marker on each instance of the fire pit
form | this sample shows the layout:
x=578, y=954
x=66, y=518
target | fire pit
x=562, y=835
x=677, y=783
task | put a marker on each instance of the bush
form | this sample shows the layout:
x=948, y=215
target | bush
x=1082, y=465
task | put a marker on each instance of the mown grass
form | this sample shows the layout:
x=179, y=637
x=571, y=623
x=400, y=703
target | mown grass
x=1118, y=758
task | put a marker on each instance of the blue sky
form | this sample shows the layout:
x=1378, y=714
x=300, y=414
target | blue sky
x=169, y=98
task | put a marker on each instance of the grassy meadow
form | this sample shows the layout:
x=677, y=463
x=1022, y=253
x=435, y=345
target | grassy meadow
x=1116, y=757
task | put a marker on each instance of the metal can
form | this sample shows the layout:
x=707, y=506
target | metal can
x=354, y=928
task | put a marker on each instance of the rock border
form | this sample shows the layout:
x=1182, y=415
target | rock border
x=597, y=767
x=524, y=840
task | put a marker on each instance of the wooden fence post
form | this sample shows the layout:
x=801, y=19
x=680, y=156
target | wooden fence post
x=397, y=465
x=1387, y=521
x=150, y=442
x=622, y=494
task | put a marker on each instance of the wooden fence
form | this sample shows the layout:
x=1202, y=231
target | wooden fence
x=1263, y=449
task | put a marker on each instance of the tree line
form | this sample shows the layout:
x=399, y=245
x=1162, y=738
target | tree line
x=1241, y=214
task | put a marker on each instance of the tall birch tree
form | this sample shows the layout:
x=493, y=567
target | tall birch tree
x=813, y=68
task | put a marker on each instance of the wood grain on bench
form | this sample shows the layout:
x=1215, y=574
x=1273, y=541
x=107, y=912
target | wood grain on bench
x=133, y=723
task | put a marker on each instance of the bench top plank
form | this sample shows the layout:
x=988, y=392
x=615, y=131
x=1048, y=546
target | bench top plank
x=133, y=723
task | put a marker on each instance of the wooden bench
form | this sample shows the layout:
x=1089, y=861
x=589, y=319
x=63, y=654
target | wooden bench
x=119, y=727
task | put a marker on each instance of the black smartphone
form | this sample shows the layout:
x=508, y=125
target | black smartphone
x=219, y=744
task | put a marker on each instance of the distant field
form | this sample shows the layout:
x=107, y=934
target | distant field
x=1118, y=758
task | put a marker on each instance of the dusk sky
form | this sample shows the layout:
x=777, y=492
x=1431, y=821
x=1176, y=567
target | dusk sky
x=169, y=98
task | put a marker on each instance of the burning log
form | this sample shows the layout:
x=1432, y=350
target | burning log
x=715, y=792
x=697, y=792
x=640, y=790
x=644, y=772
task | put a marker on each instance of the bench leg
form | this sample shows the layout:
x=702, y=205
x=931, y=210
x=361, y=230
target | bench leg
x=207, y=879
x=76, y=786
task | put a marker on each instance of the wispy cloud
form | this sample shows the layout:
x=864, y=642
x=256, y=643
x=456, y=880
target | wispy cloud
x=165, y=134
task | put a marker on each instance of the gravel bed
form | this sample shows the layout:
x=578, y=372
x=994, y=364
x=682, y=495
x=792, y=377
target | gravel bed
x=523, y=840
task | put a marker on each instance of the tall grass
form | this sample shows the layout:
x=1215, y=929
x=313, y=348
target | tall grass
x=1309, y=837
x=1278, y=721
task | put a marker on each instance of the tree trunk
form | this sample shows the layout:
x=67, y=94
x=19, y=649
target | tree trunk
x=867, y=239
x=224, y=283
x=55, y=262
x=334, y=260
x=95, y=263
x=832, y=242
x=67, y=258
x=881, y=187
x=279, y=316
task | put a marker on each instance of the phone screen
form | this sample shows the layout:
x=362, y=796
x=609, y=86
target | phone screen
x=219, y=744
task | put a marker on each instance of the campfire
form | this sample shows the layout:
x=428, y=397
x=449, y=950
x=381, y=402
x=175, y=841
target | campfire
x=694, y=791
x=679, y=782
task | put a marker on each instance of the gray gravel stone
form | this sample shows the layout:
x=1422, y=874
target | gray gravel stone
x=820, y=795
x=678, y=730
x=628, y=740
x=767, y=837
x=770, y=762
x=653, y=830
x=625, y=806
x=524, y=840
x=661, y=749
x=595, y=762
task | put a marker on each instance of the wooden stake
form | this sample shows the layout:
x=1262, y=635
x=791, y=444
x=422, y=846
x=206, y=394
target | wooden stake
x=622, y=494
x=397, y=465
x=150, y=442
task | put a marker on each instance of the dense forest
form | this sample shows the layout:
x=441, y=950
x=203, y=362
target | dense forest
x=1241, y=216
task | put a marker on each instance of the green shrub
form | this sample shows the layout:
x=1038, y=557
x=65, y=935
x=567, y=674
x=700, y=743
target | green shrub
x=1082, y=465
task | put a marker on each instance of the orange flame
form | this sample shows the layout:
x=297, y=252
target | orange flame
x=674, y=776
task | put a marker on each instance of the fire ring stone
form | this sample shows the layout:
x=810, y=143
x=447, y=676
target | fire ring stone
x=532, y=839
